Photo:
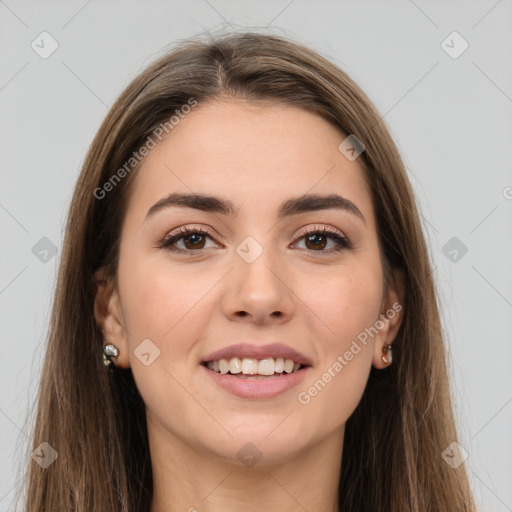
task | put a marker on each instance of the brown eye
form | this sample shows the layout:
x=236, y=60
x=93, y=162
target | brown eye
x=193, y=240
x=317, y=240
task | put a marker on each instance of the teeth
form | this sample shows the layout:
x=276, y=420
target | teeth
x=266, y=367
x=250, y=366
x=235, y=365
x=288, y=366
x=224, y=366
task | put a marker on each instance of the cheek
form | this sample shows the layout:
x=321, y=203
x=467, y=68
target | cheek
x=163, y=303
x=168, y=307
x=347, y=305
x=332, y=394
x=344, y=302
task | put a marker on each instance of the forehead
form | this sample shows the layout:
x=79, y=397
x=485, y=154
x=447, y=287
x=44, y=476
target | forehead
x=258, y=155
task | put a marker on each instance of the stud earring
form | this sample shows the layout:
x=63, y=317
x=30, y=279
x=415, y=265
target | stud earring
x=109, y=351
x=387, y=356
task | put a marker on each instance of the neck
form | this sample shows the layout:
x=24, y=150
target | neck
x=190, y=479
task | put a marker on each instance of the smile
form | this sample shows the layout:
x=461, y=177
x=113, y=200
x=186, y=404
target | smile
x=255, y=378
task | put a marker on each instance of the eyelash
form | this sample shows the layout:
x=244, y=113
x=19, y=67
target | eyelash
x=343, y=243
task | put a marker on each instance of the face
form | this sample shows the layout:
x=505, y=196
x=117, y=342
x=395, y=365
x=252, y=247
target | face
x=307, y=278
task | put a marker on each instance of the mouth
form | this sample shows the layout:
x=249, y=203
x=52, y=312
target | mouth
x=255, y=378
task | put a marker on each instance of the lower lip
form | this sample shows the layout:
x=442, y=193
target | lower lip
x=268, y=387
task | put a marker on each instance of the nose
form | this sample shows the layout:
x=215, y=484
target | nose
x=259, y=291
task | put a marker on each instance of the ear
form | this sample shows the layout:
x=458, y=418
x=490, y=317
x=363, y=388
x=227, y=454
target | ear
x=108, y=316
x=391, y=316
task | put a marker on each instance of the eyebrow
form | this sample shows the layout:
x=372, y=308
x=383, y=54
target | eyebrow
x=294, y=206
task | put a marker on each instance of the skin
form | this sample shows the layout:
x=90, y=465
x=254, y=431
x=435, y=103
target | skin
x=189, y=306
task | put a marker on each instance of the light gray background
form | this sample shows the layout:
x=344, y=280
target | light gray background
x=451, y=119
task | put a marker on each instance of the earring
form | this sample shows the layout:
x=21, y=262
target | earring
x=387, y=354
x=108, y=352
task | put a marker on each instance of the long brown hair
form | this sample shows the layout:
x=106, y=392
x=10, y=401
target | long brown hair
x=96, y=421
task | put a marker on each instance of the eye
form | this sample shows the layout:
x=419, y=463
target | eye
x=193, y=240
x=317, y=238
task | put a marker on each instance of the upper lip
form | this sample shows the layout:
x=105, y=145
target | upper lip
x=253, y=351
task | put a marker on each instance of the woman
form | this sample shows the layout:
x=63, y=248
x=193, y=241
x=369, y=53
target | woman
x=244, y=253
